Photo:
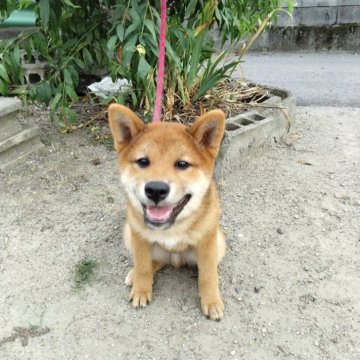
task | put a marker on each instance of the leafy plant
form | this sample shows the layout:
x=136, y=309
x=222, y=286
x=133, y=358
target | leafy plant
x=84, y=37
x=84, y=272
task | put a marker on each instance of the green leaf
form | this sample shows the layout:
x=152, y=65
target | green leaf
x=151, y=27
x=41, y=43
x=3, y=88
x=69, y=114
x=190, y=8
x=98, y=56
x=69, y=44
x=195, y=58
x=80, y=63
x=111, y=43
x=172, y=54
x=87, y=58
x=44, y=12
x=136, y=19
x=43, y=92
x=71, y=93
x=20, y=91
x=120, y=99
x=212, y=76
x=144, y=68
x=149, y=43
x=16, y=54
x=69, y=3
x=128, y=50
x=130, y=44
x=134, y=99
x=130, y=29
x=120, y=31
x=3, y=73
x=54, y=105
x=290, y=5
x=67, y=77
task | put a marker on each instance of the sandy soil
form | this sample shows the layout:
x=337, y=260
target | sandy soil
x=290, y=279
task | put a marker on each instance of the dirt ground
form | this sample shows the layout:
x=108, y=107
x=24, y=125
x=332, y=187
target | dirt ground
x=290, y=279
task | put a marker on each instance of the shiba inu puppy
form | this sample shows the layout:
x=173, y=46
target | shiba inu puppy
x=173, y=209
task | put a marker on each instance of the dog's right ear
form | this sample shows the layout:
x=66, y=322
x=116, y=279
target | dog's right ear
x=124, y=125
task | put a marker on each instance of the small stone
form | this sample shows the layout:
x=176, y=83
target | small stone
x=307, y=298
x=185, y=308
x=279, y=231
x=96, y=161
x=233, y=353
x=257, y=289
x=181, y=355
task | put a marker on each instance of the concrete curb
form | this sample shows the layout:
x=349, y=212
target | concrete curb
x=16, y=142
x=250, y=133
x=9, y=105
x=311, y=38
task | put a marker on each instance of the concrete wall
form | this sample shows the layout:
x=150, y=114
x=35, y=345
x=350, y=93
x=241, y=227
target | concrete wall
x=322, y=12
x=315, y=25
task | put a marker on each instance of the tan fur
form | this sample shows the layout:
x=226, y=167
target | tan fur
x=195, y=238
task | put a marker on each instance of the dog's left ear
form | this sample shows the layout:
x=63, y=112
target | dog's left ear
x=124, y=125
x=208, y=131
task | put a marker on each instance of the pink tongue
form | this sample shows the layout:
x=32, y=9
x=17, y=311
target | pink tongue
x=159, y=213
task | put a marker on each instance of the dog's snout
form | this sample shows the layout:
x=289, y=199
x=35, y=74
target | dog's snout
x=157, y=191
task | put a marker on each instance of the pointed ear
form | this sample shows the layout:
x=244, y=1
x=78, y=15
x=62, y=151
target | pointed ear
x=124, y=125
x=208, y=131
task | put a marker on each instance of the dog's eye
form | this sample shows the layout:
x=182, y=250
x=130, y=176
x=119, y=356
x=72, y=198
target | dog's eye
x=143, y=162
x=182, y=164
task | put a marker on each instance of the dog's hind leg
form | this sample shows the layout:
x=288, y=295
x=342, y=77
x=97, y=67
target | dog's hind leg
x=156, y=266
x=129, y=277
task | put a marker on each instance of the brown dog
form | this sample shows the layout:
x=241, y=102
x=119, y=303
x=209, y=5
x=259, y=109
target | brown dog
x=173, y=210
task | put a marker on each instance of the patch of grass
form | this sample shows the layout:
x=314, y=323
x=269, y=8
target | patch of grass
x=84, y=272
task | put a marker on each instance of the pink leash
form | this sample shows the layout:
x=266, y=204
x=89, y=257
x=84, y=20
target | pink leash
x=161, y=65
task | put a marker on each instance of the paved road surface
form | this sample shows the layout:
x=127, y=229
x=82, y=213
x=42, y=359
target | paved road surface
x=325, y=79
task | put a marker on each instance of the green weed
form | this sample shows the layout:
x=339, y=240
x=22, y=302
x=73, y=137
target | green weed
x=84, y=272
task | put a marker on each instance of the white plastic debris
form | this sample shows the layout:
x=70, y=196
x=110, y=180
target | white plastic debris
x=106, y=87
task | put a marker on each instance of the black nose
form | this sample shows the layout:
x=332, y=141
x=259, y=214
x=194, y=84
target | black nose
x=157, y=191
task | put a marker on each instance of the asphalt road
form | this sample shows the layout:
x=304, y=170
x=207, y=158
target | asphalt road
x=322, y=79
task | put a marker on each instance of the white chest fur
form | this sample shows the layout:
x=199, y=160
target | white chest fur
x=176, y=259
x=164, y=244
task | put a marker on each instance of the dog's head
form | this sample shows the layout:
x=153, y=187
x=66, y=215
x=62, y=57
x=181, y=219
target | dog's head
x=166, y=168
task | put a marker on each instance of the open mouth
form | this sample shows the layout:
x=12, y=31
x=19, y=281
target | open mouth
x=161, y=215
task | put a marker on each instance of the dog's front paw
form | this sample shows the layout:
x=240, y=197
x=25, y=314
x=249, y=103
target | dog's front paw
x=213, y=310
x=140, y=298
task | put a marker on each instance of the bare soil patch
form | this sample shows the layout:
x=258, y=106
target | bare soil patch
x=289, y=279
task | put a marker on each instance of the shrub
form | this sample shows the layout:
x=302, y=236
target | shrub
x=121, y=37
